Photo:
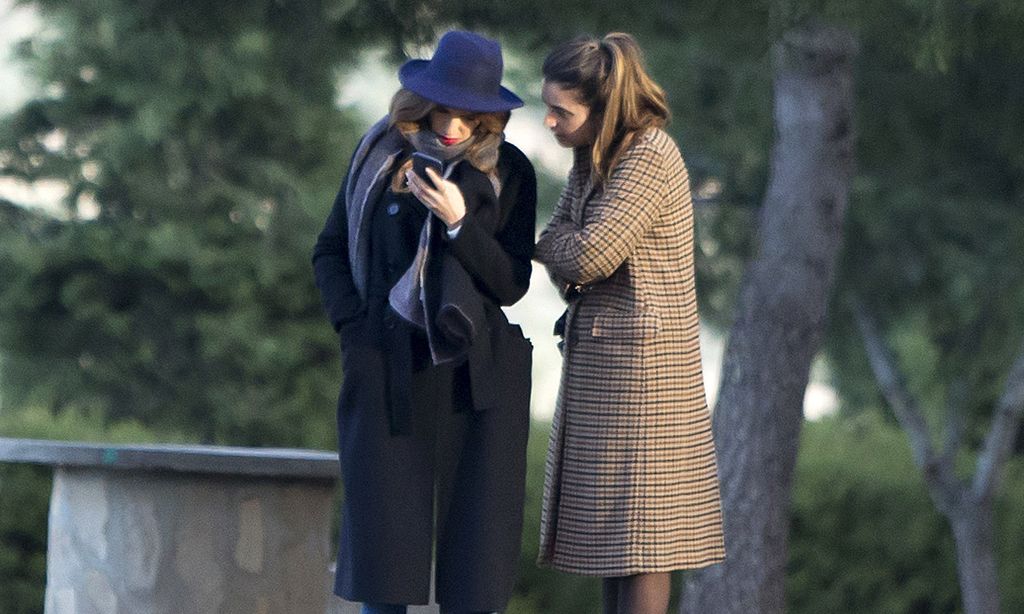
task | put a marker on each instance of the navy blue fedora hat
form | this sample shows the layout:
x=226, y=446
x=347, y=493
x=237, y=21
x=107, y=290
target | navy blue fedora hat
x=465, y=74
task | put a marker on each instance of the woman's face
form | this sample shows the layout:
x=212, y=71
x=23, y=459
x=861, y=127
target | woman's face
x=567, y=118
x=452, y=126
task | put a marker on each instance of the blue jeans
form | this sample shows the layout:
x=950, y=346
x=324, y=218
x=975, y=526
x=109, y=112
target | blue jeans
x=382, y=608
x=386, y=608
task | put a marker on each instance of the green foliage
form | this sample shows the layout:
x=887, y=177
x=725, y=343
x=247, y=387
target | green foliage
x=208, y=146
x=24, y=500
x=933, y=234
x=82, y=425
x=865, y=535
x=1010, y=541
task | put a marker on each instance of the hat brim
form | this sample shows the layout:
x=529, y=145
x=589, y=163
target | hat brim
x=411, y=76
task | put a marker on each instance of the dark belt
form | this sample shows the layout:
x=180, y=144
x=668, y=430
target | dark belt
x=573, y=292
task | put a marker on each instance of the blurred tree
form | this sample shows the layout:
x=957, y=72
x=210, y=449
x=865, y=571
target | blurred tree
x=200, y=145
x=780, y=320
x=934, y=253
x=24, y=499
x=968, y=504
x=934, y=241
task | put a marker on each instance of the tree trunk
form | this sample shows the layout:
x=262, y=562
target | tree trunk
x=780, y=321
x=975, y=558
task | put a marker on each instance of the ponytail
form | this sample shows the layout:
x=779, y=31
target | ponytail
x=609, y=77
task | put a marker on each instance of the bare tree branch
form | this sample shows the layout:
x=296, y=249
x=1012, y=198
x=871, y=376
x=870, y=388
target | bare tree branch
x=956, y=397
x=1001, y=435
x=937, y=470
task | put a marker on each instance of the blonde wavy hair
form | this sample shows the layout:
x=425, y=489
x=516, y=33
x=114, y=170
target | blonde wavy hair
x=609, y=77
x=410, y=113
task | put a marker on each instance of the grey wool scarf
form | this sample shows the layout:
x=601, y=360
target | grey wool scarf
x=435, y=293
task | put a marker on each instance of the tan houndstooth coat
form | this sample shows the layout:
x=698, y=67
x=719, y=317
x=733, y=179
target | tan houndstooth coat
x=631, y=478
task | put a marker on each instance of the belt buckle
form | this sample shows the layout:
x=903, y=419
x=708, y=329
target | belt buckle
x=574, y=291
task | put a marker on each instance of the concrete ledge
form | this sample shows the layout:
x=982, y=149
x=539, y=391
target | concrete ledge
x=284, y=463
x=171, y=528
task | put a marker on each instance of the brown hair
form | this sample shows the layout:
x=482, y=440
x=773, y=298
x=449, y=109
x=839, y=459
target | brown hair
x=609, y=78
x=410, y=112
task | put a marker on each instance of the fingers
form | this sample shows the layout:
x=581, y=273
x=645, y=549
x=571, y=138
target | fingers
x=437, y=179
x=419, y=188
x=445, y=200
x=433, y=199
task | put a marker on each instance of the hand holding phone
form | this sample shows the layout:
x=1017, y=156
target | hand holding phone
x=444, y=199
x=420, y=163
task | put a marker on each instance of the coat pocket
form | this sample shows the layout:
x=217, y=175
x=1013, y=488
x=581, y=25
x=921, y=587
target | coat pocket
x=611, y=325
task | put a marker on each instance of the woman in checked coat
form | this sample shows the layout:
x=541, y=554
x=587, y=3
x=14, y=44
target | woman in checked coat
x=631, y=490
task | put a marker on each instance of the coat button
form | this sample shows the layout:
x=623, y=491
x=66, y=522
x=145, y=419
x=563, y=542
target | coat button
x=393, y=209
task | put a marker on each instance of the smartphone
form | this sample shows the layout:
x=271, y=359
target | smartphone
x=420, y=162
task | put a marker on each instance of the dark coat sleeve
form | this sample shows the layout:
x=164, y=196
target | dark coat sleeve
x=332, y=269
x=500, y=261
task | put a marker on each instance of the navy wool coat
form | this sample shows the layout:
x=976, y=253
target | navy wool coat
x=387, y=525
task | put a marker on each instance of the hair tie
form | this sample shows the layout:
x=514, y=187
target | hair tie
x=608, y=59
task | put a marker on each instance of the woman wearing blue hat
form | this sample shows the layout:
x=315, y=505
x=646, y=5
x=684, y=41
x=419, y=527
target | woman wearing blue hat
x=413, y=270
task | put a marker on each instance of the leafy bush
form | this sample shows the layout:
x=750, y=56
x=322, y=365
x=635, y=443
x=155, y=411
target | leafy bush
x=865, y=536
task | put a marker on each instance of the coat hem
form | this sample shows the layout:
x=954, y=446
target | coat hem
x=630, y=570
x=391, y=599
